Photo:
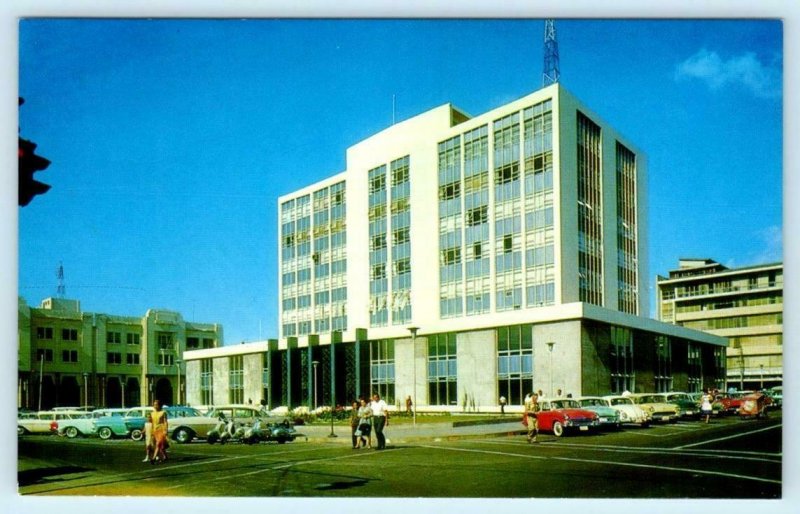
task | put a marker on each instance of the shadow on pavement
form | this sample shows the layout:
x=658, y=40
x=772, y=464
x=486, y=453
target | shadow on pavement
x=54, y=474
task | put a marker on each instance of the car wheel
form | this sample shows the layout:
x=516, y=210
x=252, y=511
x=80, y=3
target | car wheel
x=137, y=434
x=104, y=433
x=212, y=438
x=281, y=440
x=21, y=431
x=183, y=435
x=71, y=432
x=558, y=429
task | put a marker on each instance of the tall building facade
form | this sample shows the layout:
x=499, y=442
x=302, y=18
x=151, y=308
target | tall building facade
x=68, y=357
x=513, y=242
x=744, y=305
x=451, y=221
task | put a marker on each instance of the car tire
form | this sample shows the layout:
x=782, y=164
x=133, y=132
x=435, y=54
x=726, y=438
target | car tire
x=71, y=432
x=105, y=433
x=137, y=435
x=21, y=431
x=558, y=429
x=183, y=435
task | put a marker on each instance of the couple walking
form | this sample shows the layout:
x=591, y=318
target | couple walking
x=368, y=416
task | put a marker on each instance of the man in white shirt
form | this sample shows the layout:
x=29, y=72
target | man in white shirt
x=380, y=418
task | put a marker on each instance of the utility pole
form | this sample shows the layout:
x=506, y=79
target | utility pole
x=551, y=72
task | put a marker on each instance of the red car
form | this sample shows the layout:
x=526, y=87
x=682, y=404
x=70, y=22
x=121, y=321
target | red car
x=561, y=414
x=732, y=401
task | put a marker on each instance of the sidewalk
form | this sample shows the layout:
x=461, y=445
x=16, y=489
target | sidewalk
x=401, y=433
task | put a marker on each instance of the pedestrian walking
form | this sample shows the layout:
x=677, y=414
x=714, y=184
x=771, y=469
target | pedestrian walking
x=705, y=405
x=364, y=430
x=531, y=412
x=380, y=419
x=148, y=437
x=354, y=424
x=409, y=404
x=160, y=430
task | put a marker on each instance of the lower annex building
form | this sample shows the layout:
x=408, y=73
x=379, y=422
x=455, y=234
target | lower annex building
x=458, y=259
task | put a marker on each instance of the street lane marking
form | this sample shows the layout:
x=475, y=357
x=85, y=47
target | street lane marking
x=610, y=463
x=753, y=456
x=729, y=437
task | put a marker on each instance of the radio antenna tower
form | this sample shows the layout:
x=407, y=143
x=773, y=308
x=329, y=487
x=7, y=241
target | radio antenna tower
x=551, y=67
x=61, y=292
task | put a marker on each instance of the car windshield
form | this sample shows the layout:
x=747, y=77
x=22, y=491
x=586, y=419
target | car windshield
x=650, y=398
x=678, y=396
x=592, y=402
x=565, y=404
x=621, y=401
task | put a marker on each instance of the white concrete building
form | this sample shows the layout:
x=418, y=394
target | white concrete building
x=515, y=241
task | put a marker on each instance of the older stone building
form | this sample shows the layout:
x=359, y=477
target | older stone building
x=68, y=357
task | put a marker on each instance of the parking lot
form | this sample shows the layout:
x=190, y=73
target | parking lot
x=728, y=458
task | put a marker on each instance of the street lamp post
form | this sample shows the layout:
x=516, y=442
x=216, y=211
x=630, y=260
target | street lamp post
x=178, y=365
x=550, y=346
x=413, y=331
x=85, y=390
x=315, y=364
x=762, y=377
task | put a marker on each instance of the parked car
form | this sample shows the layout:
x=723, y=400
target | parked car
x=732, y=401
x=776, y=394
x=44, y=422
x=629, y=412
x=565, y=414
x=753, y=406
x=607, y=416
x=241, y=414
x=185, y=423
x=688, y=407
x=655, y=405
x=81, y=426
x=112, y=424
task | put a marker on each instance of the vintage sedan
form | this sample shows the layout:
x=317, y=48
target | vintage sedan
x=655, y=405
x=608, y=417
x=732, y=401
x=688, y=407
x=629, y=412
x=82, y=425
x=185, y=423
x=565, y=414
x=112, y=424
x=241, y=414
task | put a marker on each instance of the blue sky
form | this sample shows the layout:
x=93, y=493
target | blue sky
x=171, y=140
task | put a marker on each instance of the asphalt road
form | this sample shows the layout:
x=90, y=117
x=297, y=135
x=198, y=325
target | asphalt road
x=728, y=458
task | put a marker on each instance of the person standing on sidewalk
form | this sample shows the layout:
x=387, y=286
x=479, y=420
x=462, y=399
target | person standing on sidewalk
x=380, y=419
x=531, y=411
x=354, y=424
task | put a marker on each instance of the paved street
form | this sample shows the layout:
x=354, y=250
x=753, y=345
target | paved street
x=725, y=459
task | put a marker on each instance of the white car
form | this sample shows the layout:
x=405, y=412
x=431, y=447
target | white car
x=629, y=412
x=45, y=422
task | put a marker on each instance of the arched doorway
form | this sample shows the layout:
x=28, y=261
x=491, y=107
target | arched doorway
x=113, y=392
x=70, y=392
x=48, y=393
x=132, y=394
x=164, y=391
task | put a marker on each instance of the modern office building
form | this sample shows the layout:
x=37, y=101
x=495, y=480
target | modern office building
x=68, y=357
x=513, y=243
x=744, y=305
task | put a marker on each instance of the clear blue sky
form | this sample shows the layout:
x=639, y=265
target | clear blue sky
x=170, y=141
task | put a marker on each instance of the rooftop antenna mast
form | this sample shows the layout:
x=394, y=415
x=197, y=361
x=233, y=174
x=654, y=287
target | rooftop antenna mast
x=551, y=73
x=61, y=292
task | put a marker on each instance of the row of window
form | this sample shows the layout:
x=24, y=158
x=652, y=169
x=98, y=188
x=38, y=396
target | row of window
x=46, y=334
